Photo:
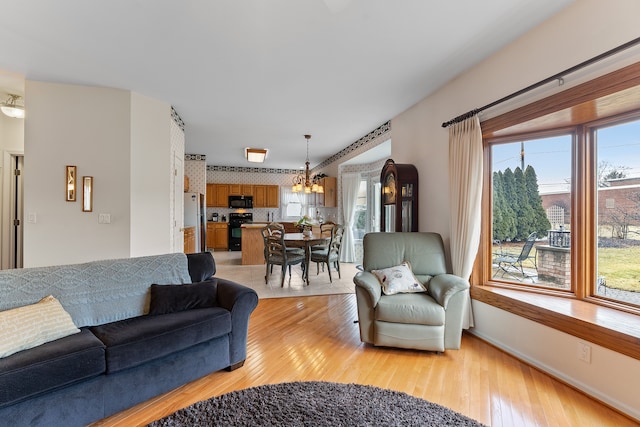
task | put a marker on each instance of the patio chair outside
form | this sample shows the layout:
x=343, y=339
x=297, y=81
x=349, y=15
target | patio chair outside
x=511, y=264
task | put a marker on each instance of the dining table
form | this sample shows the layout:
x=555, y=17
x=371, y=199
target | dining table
x=300, y=240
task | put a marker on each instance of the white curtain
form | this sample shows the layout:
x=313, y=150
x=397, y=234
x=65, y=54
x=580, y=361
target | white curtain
x=288, y=196
x=465, y=189
x=350, y=186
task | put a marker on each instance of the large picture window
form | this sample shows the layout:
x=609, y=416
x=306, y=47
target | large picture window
x=618, y=211
x=541, y=183
x=531, y=221
x=582, y=276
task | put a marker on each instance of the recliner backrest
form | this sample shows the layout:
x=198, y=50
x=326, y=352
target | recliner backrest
x=424, y=250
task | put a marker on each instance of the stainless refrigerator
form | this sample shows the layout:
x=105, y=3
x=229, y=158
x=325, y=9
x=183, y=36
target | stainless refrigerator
x=194, y=216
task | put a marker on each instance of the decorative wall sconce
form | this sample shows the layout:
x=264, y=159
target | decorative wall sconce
x=87, y=194
x=70, y=182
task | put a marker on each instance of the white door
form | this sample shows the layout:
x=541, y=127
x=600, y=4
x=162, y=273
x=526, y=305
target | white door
x=178, y=203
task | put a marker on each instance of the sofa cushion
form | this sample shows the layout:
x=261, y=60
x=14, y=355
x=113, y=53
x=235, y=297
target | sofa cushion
x=202, y=266
x=418, y=309
x=173, y=298
x=50, y=366
x=132, y=342
x=32, y=325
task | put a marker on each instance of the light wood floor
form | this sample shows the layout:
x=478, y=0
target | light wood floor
x=315, y=338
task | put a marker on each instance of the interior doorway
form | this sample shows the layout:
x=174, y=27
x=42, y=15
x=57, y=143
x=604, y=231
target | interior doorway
x=178, y=203
x=13, y=213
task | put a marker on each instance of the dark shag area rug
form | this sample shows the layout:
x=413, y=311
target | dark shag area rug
x=315, y=404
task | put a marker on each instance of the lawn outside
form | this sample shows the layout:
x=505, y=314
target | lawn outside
x=619, y=263
x=618, y=268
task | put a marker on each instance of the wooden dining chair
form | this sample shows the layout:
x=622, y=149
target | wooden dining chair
x=325, y=231
x=276, y=253
x=330, y=254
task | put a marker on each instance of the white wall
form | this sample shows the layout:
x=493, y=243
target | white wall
x=11, y=133
x=119, y=138
x=584, y=29
x=150, y=176
x=87, y=127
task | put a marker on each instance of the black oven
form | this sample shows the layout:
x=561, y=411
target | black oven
x=235, y=230
x=240, y=202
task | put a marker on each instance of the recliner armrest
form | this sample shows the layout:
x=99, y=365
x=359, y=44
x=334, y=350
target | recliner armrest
x=443, y=286
x=370, y=283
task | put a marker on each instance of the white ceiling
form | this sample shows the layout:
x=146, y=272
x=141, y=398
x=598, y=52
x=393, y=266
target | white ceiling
x=262, y=73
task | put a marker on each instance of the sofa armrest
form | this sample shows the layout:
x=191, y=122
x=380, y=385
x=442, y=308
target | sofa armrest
x=240, y=301
x=444, y=286
x=370, y=283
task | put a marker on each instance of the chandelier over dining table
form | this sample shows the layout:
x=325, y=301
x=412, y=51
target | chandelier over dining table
x=303, y=182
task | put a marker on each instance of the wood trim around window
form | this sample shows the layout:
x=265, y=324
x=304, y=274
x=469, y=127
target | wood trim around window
x=579, y=313
x=605, y=96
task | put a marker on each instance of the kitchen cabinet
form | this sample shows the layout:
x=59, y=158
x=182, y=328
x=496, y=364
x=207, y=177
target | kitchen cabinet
x=218, y=235
x=211, y=235
x=240, y=189
x=211, y=195
x=259, y=196
x=189, y=240
x=218, y=195
x=328, y=199
x=265, y=196
x=273, y=197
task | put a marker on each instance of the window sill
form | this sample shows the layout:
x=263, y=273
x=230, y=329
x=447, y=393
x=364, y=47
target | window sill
x=613, y=329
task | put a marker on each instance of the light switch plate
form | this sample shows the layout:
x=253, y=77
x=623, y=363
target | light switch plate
x=104, y=218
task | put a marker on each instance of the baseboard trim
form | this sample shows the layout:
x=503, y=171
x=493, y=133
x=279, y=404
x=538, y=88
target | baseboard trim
x=614, y=404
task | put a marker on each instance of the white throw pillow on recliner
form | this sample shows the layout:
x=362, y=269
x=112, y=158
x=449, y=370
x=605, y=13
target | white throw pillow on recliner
x=398, y=279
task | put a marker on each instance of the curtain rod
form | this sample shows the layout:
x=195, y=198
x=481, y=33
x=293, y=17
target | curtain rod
x=557, y=76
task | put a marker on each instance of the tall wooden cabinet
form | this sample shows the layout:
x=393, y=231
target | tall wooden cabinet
x=328, y=199
x=399, y=197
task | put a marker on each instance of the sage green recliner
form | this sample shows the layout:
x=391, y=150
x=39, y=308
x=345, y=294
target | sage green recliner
x=429, y=320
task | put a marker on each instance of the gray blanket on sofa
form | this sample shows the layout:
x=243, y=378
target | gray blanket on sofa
x=95, y=292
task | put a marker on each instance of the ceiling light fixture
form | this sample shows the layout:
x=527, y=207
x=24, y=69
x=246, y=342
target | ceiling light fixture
x=255, y=155
x=11, y=109
x=302, y=182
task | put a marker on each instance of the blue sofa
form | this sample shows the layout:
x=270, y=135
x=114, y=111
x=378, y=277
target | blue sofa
x=134, y=341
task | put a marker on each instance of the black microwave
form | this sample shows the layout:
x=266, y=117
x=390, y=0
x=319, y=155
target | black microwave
x=240, y=202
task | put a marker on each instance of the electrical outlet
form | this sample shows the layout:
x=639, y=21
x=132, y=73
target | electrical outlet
x=584, y=352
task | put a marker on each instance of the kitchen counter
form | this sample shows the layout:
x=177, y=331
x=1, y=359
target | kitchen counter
x=253, y=225
x=252, y=244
